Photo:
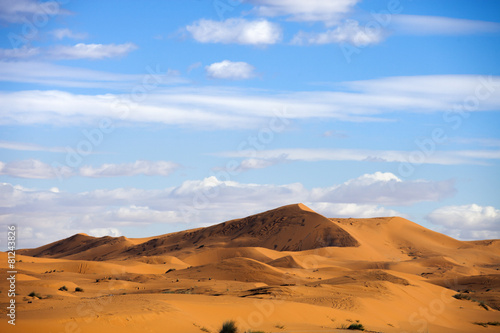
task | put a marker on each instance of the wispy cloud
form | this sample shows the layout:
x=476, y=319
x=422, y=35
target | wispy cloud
x=78, y=51
x=230, y=70
x=369, y=100
x=66, y=76
x=35, y=169
x=477, y=157
x=23, y=52
x=147, y=168
x=91, y=51
x=20, y=10
x=23, y=146
x=67, y=33
x=437, y=25
x=235, y=31
x=328, y=12
x=348, y=32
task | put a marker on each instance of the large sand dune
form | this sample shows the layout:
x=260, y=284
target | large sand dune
x=285, y=270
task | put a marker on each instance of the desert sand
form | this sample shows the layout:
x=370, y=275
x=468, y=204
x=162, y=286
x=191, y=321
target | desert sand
x=285, y=270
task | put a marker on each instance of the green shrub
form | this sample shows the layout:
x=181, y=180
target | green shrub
x=461, y=296
x=34, y=294
x=229, y=327
x=358, y=327
x=63, y=288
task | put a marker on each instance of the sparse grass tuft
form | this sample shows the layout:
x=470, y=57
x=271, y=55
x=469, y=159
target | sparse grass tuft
x=78, y=289
x=229, y=327
x=281, y=327
x=356, y=326
x=489, y=323
x=481, y=303
x=462, y=296
x=170, y=270
x=34, y=294
x=63, y=288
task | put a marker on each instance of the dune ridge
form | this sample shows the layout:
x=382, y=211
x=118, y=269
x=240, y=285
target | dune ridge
x=289, y=267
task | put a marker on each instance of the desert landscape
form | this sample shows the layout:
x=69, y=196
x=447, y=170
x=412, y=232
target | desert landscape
x=285, y=270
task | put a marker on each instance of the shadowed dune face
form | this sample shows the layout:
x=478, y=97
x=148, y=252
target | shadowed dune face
x=288, y=228
x=288, y=267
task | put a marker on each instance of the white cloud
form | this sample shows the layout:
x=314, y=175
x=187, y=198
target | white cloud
x=23, y=146
x=230, y=70
x=58, y=75
x=468, y=221
x=417, y=157
x=57, y=214
x=436, y=25
x=33, y=169
x=385, y=189
x=245, y=108
x=20, y=10
x=91, y=51
x=237, y=31
x=19, y=53
x=328, y=12
x=101, y=232
x=67, y=33
x=485, y=142
x=348, y=32
x=147, y=168
x=343, y=210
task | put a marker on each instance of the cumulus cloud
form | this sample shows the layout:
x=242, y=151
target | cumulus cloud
x=101, y=232
x=385, y=189
x=67, y=33
x=328, y=12
x=91, y=51
x=348, y=32
x=468, y=221
x=344, y=210
x=230, y=70
x=235, y=31
x=147, y=168
x=53, y=214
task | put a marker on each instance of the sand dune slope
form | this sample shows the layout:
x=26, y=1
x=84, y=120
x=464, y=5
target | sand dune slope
x=284, y=270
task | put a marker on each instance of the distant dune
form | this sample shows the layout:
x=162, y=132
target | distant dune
x=289, y=269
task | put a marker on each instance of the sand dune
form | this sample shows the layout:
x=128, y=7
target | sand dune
x=284, y=270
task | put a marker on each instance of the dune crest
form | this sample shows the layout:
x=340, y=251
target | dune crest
x=290, y=266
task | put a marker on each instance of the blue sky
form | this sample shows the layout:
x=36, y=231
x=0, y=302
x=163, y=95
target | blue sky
x=142, y=118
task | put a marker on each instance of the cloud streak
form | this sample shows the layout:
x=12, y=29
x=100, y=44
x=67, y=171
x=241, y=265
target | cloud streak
x=360, y=101
x=473, y=157
x=328, y=12
x=35, y=169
